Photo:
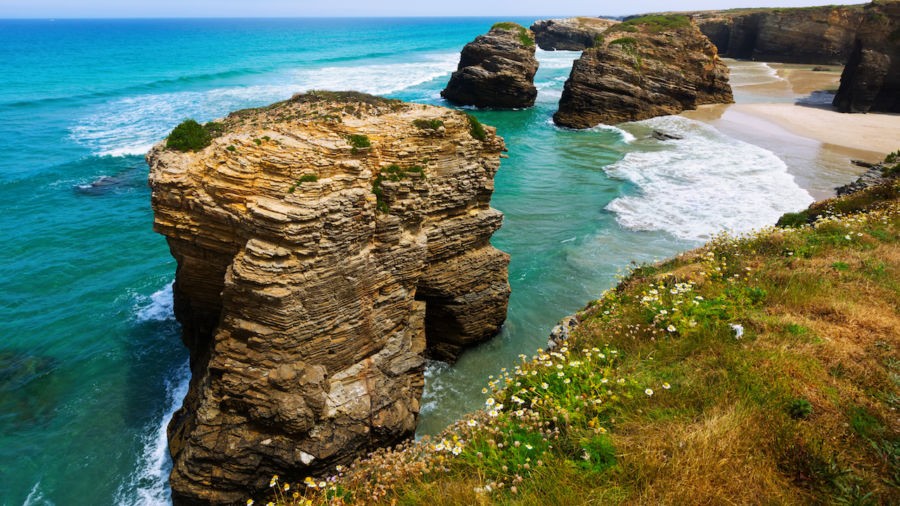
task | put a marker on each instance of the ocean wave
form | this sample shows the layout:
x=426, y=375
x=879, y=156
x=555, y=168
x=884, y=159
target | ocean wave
x=131, y=125
x=627, y=137
x=36, y=497
x=148, y=484
x=752, y=74
x=159, y=307
x=140, y=88
x=556, y=59
x=702, y=184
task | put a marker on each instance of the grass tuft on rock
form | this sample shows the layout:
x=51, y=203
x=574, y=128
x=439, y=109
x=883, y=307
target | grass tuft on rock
x=476, y=129
x=524, y=36
x=428, y=124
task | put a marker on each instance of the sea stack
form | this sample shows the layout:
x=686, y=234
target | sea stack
x=871, y=78
x=645, y=67
x=325, y=246
x=496, y=70
x=569, y=34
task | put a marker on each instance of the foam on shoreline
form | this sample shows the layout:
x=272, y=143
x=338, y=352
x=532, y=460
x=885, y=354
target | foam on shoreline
x=702, y=184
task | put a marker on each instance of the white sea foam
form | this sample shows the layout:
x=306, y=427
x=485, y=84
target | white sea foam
x=158, y=307
x=131, y=125
x=377, y=79
x=148, y=484
x=702, y=184
x=627, y=137
x=36, y=497
x=556, y=59
x=745, y=73
x=435, y=372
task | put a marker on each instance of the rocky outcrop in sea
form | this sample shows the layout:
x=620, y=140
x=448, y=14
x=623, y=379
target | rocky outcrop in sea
x=871, y=78
x=496, y=70
x=569, y=34
x=645, y=67
x=325, y=246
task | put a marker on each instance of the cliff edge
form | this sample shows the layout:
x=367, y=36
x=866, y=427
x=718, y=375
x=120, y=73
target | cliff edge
x=813, y=35
x=325, y=244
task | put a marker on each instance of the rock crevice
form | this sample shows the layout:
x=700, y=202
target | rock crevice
x=324, y=244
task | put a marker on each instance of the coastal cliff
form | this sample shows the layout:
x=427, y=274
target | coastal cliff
x=814, y=35
x=644, y=67
x=325, y=246
x=871, y=78
x=569, y=34
x=496, y=70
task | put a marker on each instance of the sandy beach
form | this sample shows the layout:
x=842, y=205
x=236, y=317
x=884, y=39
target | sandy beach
x=785, y=109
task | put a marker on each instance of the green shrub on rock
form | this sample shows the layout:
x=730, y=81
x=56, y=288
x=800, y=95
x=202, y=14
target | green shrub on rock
x=188, y=136
x=476, y=128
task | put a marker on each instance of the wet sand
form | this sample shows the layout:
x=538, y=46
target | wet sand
x=787, y=112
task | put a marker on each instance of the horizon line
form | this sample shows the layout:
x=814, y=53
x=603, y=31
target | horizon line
x=423, y=16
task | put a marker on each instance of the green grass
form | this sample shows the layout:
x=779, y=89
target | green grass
x=656, y=397
x=655, y=23
x=476, y=129
x=305, y=178
x=524, y=36
x=428, y=124
x=359, y=141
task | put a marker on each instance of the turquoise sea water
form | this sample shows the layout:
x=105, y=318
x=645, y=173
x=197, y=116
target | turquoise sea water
x=91, y=364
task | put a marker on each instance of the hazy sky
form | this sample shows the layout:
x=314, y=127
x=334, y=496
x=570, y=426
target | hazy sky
x=301, y=8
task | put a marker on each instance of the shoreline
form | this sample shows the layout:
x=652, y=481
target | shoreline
x=816, y=142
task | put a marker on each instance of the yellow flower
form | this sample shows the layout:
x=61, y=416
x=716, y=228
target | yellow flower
x=287, y=486
x=249, y=502
x=666, y=386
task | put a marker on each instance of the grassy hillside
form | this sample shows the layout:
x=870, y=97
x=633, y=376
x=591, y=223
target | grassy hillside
x=759, y=370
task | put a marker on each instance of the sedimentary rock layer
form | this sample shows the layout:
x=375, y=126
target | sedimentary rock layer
x=814, y=35
x=324, y=244
x=643, y=70
x=569, y=34
x=871, y=78
x=496, y=70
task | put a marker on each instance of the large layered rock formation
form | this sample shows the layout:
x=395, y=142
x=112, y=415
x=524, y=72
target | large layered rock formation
x=569, y=34
x=496, y=70
x=644, y=68
x=324, y=245
x=871, y=78
x=814, y=35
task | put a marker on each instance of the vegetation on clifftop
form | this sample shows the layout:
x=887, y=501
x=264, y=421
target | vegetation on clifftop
x=524, y=36
x=192, y=136
x=762, y=369
x=653, y=23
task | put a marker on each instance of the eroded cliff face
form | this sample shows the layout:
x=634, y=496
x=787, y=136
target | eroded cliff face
x=871, y=78
x=814, y=35
x=324, y=244
x=496, y=70
x=569, y=34
x=642, y=71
